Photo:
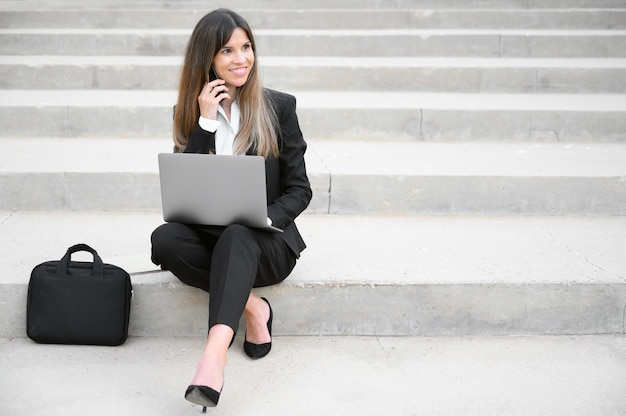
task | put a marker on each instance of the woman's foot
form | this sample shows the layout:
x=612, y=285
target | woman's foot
x=210, y=372
x=258, y=340
x=257, y=315
x=209, y=378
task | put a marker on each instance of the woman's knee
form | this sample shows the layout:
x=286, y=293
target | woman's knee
x=167, y=234
x=166, y=240
x=238, y=240
x=238, y=232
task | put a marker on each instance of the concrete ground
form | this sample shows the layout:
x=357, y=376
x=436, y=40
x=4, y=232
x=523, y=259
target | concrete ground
x=324, y=376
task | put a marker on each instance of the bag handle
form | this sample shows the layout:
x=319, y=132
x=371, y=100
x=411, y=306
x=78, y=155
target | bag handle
x=98, y=266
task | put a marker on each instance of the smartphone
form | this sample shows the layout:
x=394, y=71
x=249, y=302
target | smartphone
x=212, y=74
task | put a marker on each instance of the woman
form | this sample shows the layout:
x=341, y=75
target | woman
x=222, y=108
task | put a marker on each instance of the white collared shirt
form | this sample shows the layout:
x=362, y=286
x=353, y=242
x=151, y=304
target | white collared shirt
x=225, y=130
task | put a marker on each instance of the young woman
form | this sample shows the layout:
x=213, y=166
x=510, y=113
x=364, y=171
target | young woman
x=222, y=108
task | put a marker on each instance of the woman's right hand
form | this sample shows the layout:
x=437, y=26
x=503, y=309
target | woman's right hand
x=212, y=93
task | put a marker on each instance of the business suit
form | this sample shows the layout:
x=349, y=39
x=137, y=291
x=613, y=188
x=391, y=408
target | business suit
x=229, y=261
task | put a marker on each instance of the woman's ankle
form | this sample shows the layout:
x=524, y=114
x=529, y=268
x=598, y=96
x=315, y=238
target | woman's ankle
x=256, y=322
x=210, y=372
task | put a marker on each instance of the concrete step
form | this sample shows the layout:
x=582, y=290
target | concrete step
x=360, y=16
x=364, y=275
x=438, y=117
x=321, y=4
x=310, y=376
x=467, y=75
x=347, y=177
x=314, y=42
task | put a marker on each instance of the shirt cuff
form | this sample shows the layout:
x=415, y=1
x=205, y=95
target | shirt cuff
x=208, y=124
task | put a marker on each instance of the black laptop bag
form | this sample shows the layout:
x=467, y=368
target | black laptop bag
x=72, y=302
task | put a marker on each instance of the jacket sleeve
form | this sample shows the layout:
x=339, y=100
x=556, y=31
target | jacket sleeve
x=200, y=141
x=295, y=189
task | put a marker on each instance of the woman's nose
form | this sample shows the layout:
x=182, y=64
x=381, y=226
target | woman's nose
x=240, y=56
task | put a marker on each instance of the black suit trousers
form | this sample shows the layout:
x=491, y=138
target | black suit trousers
x=227, y=262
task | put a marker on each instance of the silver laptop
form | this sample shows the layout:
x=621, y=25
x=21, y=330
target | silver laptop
x=214, y=190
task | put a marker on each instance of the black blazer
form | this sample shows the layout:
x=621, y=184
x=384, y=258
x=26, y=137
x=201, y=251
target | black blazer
x=288, y=188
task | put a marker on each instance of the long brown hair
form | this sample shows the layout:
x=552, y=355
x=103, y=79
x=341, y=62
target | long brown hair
x=258, y=123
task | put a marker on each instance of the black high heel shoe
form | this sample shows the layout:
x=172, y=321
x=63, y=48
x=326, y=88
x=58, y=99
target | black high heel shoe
x=203, y=396
x=260, y=350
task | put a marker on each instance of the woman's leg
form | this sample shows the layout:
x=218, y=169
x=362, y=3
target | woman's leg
x=210, y=370
x=244, y=258
x=275, y=265
x=179, y=249
x=228, y=263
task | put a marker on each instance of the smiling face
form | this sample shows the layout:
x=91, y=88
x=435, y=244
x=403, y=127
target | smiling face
x=234, y=61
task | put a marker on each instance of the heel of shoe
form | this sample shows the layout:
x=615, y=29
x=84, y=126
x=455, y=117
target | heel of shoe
x=203, y=396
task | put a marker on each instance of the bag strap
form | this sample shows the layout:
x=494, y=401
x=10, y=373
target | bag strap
x=98, y=266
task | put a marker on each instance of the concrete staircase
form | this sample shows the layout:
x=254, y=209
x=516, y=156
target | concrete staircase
x=468, y=159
